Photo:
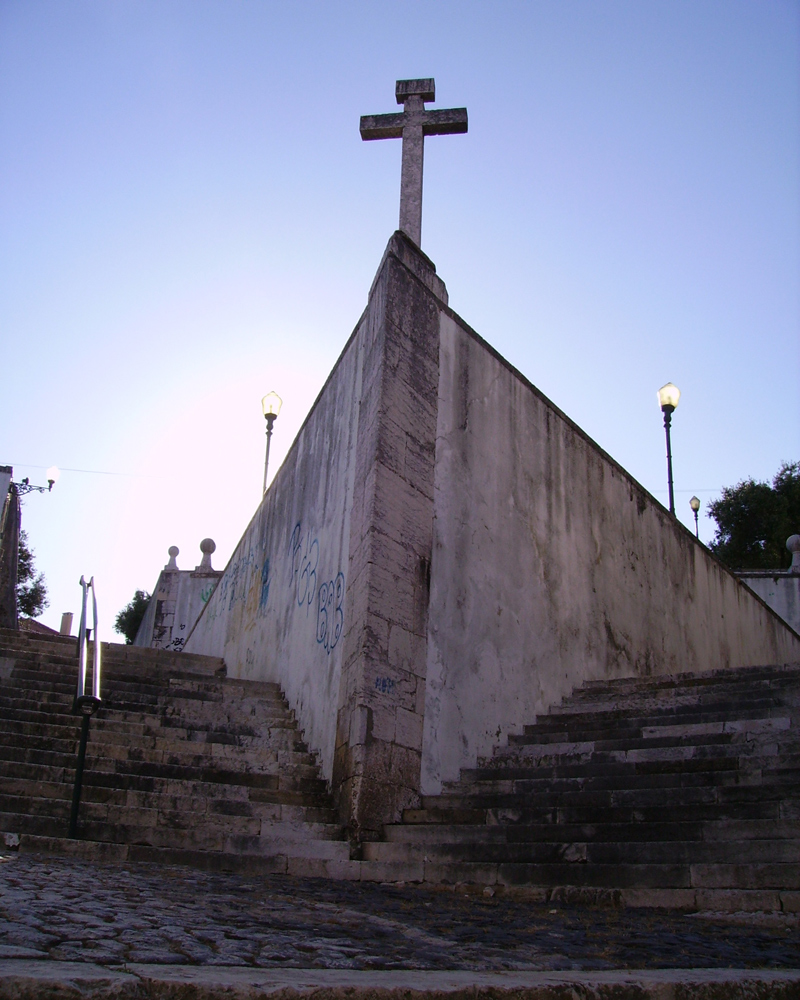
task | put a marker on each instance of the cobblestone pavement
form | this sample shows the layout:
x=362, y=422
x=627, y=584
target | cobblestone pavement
x=60, y=909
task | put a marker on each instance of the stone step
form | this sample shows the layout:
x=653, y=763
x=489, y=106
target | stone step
x=62, y=726
x=641, y=876
x=730, y=733
x=736, y=830
x=119, y=674
x=651, y=686
x=105, y=727
x=294, y=862
x=154, y=701
x=584, y=731
x=197, y=755
x=23, y=797
x=752, y=702
x=619, y=763
x=522, y=813
x=713, y=888
x=489, y=793
x=160, y=777
x=683, y=797
x=583, y=852
x=650, y=779
x=738, y=692
x=212, y=818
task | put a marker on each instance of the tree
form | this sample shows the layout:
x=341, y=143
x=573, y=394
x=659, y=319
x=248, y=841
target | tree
x=130, y=618
x=31, y=588
x=754, y=519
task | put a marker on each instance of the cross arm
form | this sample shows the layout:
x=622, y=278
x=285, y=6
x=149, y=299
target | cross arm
x=445, y=122
x=382, y=126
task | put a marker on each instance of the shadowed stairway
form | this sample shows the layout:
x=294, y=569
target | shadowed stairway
x=680, y=790
x=183, y=764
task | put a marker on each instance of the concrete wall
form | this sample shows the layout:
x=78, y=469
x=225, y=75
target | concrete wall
x=551, y=566
x=382, y=694
x=278, y=614
x=443, y=555
x=781, y=591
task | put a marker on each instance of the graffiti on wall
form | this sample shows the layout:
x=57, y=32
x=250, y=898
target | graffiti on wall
x=263, y=597
x=303, y=562
x=330, y=614
x=303, y=558
x=235, y=584
x=307, y=587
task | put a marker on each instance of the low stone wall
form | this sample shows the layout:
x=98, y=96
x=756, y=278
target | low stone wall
x=781, y=591
x=178, y=601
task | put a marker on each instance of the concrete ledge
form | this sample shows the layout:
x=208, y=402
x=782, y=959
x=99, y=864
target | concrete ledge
x=26, y=980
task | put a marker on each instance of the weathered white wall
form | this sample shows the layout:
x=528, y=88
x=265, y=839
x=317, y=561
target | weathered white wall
x=278, y=613
x=780, y=590
x=551, y=566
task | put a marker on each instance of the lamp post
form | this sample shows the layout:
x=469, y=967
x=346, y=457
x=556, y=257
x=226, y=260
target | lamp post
x=694, y=503
x=668, y=396
x=271, y=407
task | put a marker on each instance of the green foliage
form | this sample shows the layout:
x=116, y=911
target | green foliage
x=130, y=618
x=31, y=588
x=755, y=519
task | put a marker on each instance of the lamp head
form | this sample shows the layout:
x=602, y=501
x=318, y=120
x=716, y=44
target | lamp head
x=271, y=405
x=53, y=474
x=694, y=503
x=668, y=396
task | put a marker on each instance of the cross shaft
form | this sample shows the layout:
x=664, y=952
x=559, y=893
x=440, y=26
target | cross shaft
x=411, y=125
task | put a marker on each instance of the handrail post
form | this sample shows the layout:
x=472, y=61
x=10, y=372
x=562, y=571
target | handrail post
x=84, y=704
x=81, y=645
x=96, y=664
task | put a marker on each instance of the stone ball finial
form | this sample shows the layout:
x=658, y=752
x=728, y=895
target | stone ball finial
x=173, y=551
x=793, y=545
x=207, y=546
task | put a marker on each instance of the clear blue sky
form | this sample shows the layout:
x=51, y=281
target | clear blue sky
x=189, y=218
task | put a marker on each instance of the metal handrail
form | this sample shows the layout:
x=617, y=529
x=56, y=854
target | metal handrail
x=84, y=704
x=80, y=696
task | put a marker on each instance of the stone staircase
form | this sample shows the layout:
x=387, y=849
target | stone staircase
x=183, y=764
x=680, y=790
x=672, y=791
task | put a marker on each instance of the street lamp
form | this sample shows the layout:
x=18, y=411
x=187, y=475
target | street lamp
x=26, y=487
x=668, y=396
x=694, y=503
x=271, y=407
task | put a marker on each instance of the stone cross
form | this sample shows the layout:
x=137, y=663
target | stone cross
x=412, y=125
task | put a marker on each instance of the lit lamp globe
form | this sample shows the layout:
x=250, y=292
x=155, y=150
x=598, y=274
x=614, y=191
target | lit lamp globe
x=271, y=406
x=668, y=397
x=694, y=503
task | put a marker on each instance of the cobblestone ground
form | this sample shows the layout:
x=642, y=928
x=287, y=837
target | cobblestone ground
x=62, y=909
